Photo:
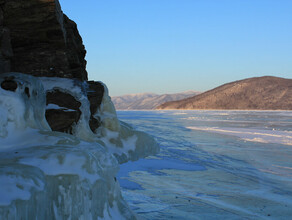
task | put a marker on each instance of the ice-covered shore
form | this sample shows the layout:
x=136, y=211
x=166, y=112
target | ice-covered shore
x=46, y=174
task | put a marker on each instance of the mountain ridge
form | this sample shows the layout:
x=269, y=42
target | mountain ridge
x=147, y=101
x=256, y=93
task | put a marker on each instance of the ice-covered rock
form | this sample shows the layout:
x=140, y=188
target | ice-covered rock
x=46, y=174
x=60, y=140
x=118, y=137
x=61, y=178
x=122, y=140
x=22, y=103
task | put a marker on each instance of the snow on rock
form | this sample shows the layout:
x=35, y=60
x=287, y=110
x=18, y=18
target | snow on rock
x=47, y=174
x=118, y=137
x=122, y=140
x=22, y=105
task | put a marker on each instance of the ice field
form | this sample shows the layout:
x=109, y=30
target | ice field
x=212, y=165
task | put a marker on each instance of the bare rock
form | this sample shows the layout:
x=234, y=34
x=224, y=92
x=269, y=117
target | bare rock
x=66, y=115
x=94, y=95
x=36, y=38
x=63, y=99
x=9, y=84
x=44, y=41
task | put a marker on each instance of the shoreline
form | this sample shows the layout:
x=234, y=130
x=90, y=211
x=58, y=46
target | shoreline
x=243, y=110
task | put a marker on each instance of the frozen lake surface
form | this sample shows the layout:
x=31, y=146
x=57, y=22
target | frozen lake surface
x=212, y=165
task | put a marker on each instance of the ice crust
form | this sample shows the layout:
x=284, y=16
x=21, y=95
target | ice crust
x=118, y=137
x=52, y=175
x=255, y=135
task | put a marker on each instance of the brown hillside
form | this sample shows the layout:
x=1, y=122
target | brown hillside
x=259, y=93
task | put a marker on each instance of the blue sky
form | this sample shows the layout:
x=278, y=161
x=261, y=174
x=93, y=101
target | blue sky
x=168, y=46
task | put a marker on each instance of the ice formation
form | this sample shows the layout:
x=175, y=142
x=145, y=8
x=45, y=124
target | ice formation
x=46, y=174
x=118, y=137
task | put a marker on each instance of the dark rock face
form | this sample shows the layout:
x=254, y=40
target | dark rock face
x=63, y=100
x=63, y=110
x=9, y=84
x=68, y=114
x=94, y=95
x=5, y=47
x=62, y=120
x=38, y=39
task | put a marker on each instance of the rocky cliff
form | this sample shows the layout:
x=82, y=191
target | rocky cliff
x=60, y=139
x=259, y=93
x=38, y=39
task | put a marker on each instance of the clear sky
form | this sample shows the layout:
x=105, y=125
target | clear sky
x=168, y=46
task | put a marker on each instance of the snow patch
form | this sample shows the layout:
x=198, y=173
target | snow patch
x=255, y=135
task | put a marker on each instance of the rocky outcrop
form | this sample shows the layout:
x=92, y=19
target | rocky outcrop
x=63, y=110
x=9, y=84
x=94, y=94
x=45, y=46
x=38, y=39
x=47, y=174
x=259, y=93
x=66, y=115
x=5, y=47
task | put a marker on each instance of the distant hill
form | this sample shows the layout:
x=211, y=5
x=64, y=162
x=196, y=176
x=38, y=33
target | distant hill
x=147, y=101
x=259, y=93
